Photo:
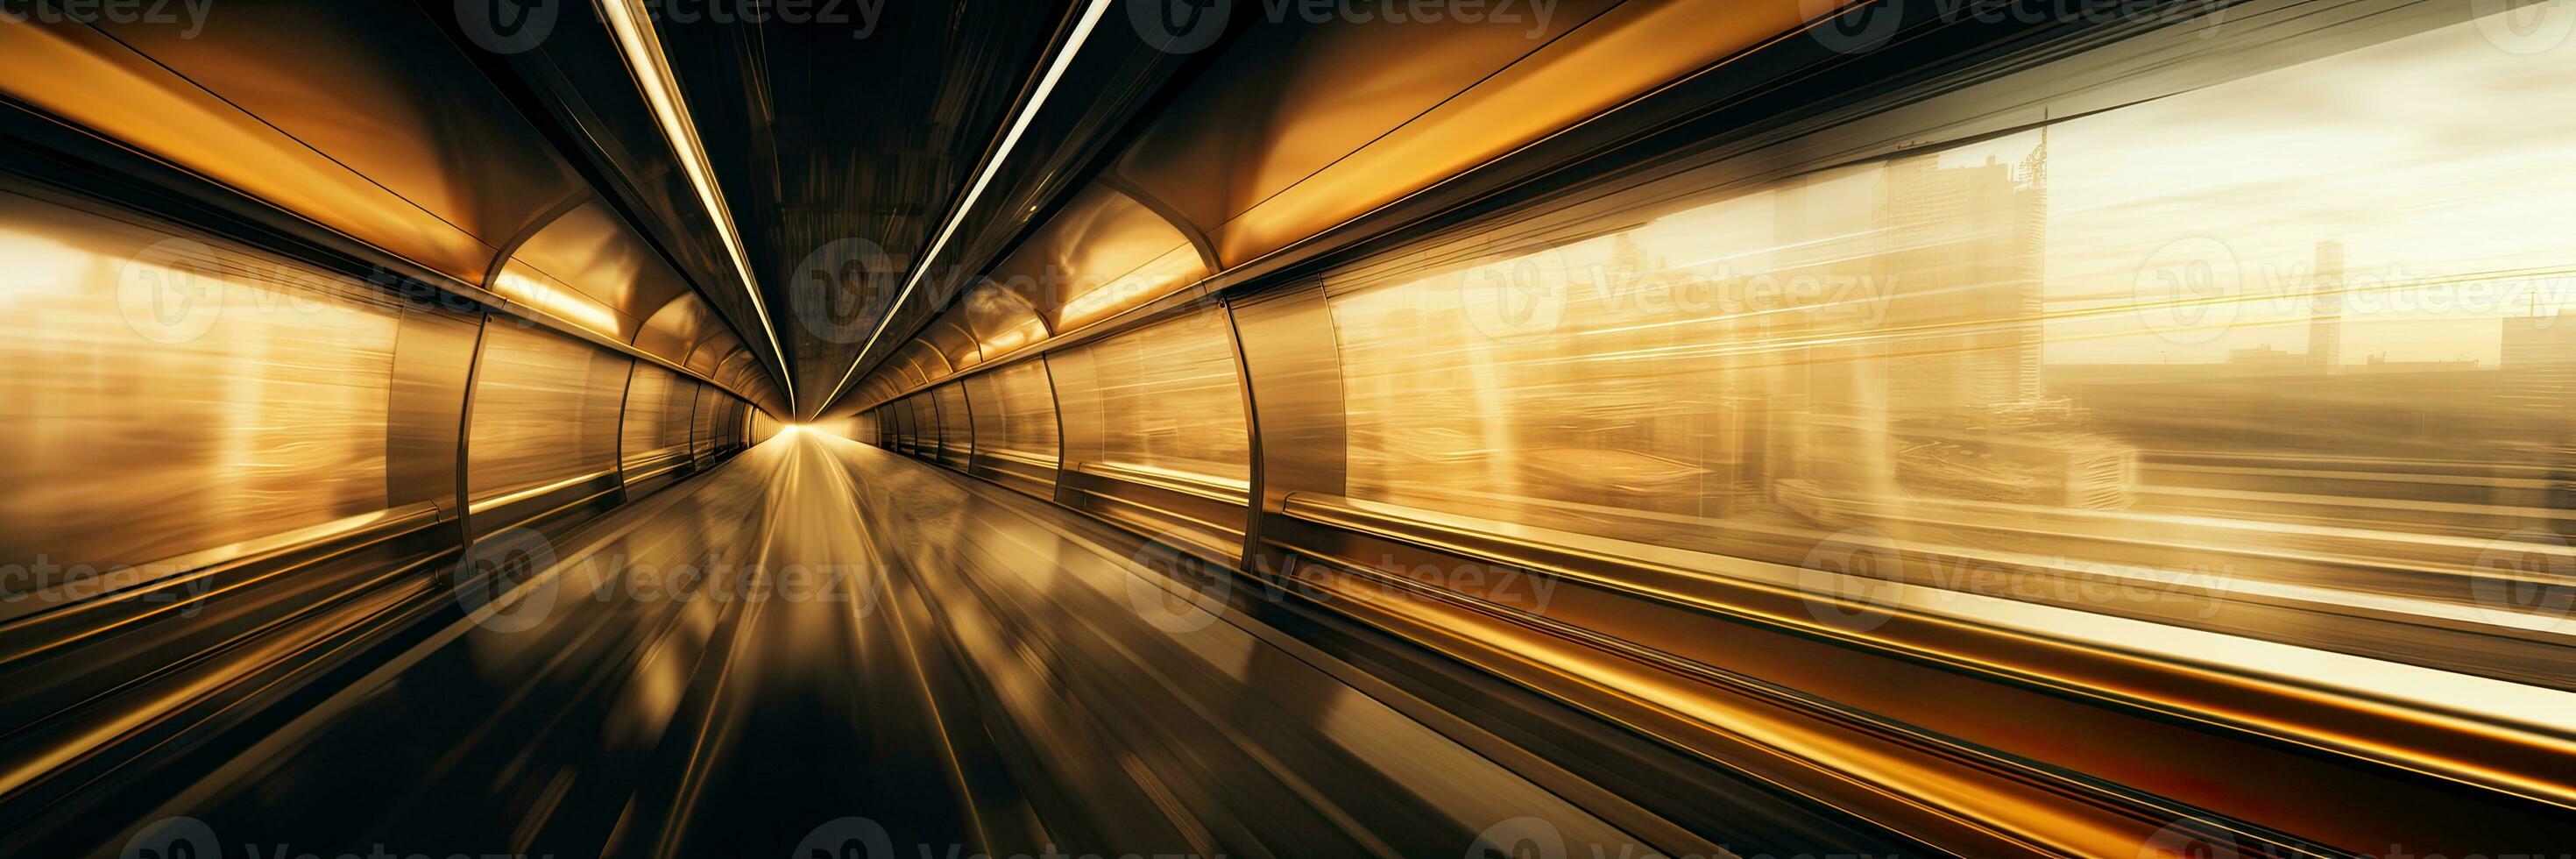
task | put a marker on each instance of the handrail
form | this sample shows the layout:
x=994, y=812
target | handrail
x=498, y=501
x=1169, y=481
x=2378, y=711
x=122, y=579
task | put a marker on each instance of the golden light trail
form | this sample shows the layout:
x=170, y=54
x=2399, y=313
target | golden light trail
x=633, y=26
x=1001, y=155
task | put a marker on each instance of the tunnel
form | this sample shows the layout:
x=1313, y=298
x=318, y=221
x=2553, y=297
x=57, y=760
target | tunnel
x=1548, y=429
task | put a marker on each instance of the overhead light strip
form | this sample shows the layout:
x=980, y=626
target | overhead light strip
x=1001, y=155
x=633, y=27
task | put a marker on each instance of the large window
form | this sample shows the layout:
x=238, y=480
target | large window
x=1163, y=402
x=164, y=395
x=2311, y=332
x=545, y=410
x=657, y=417
x=957, y=428
x=925, y=425
x=1014, y=414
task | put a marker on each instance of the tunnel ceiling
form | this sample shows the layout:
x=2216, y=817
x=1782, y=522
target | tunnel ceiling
x=822, y=133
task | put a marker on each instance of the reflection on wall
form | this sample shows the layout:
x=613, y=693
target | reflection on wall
x=703, y=417
x=956, y=423
x=2080, y=344
x=925, y=423
x=1014, y=413
x=657, y=417
x=166, y=395
x=545, y=410
x=1163, y=401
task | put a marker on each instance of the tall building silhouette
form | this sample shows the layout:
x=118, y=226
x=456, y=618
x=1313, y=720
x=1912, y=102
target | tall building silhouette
x=2325, y=308
x=1965, y=251
x=2538, y=357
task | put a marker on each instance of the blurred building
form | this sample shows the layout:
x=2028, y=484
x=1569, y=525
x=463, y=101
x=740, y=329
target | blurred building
x=2540, y=351
x=2325, y=308
x=1965, y=249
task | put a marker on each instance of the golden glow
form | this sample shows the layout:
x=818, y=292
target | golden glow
x=166, y=395
x=656, y=427
x=1162, y=400
x=546, y=410
x=1163, y=275
x=1974, y=358
x=520, y=283
x=80, y=74
x=1014, y=413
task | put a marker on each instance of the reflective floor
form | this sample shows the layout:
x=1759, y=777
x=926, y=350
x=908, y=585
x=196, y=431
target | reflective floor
x=730, y=668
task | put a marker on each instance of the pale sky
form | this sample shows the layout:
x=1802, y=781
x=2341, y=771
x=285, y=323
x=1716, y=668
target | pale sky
x=2445, y=166
x=2432, y=155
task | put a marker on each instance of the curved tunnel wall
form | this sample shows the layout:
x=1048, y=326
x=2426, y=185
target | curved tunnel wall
x=1776, y=448
x=238, y=443
x=1824, y=412
x=177, y=394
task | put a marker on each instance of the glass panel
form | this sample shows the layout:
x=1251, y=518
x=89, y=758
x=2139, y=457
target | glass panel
x=925, y=425
x=1162, y=401
x=702, y=433
x=956, y=426
x=650, y=423
x=677, y=410
x=545, y=410
x=1014, y=414
x=2247, y=332
x=737, y=414
x=164, y=396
